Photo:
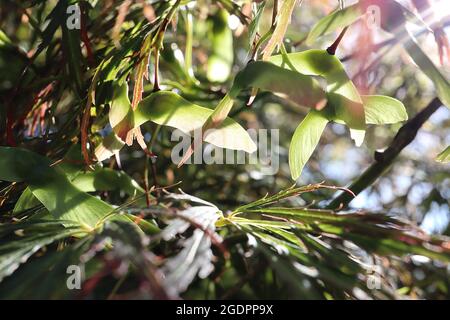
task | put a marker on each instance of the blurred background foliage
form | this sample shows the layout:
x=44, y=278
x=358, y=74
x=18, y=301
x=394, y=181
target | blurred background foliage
x=45, y=75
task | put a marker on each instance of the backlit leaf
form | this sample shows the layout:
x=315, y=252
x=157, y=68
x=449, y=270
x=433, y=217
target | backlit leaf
x=344, y=99
x=383, y=110
x=51, y=187
x=291, y=85
x=222, y=54
x=305, y=140
x=444, y=156
x=339, y=19
x=169, y=109
x=425, y=64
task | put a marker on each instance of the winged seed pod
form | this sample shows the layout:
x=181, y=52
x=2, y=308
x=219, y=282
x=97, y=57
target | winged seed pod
x=168, y=109
x=345, y=105
x=298, y=88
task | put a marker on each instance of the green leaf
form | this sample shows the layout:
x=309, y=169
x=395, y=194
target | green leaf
x=5, y=41
x=346, y=111
x=116, y=61
x=71, y=41
x=26, y=201
x=51, y=187
x=37, y=235
x=127, y=233
x=283, y=20
x=294, y=86
x=253, y=28
x=425, y=64
x=334, y=257
x=55, y=19
x=444, y=156
x=344, y=101
x=106, y=179
x=383, y=110
x=110, y=145
x=121, y=112
x=338, y=19
x=305, y=140
x=373, y=232
x=169, y=109
x=34, y=281
x=283, y=194
x=221, y=58
x=129, y=244
x=291, y=85
x=293, y=280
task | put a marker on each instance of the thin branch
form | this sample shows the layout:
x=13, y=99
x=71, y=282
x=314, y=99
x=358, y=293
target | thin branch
x=332, y=49
x=156, y=86
x=383, y=160
x=274, y=12
x=159, y=41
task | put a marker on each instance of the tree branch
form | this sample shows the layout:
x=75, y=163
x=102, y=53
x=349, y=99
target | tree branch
x=383, y=160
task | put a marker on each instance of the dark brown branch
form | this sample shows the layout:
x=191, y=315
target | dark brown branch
x=332, y=49
x=383, y=160
x=156, y=87
x=274, y=12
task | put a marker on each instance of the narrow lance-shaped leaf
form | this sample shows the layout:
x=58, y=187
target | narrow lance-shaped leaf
x=51, y=187
x=253, y=28
x=71, y=45
x=339, y=19
x=283, y=20
x=305, y=140
x=121, y=112
x=33, y=281
x=221, y=58
x=444, y=156
x=378, y=233
x=141, y=71
x=383, y=110
x=5, y=41
x=38, y=234
x=425, y=64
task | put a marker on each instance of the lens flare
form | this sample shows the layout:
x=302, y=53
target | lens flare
x=441, y=9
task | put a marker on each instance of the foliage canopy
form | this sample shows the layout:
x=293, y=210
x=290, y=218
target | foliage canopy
x=91, y=92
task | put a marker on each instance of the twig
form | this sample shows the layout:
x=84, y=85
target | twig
x=275, y=12
x=383, y=160
x=84, y=35
x=87, y=117
x=159, y=42
x=146, y=184
x=332, y=49
x=156, y=86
